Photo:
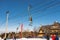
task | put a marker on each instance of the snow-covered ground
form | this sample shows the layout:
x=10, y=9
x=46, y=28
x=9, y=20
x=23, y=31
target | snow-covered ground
x=30, y=39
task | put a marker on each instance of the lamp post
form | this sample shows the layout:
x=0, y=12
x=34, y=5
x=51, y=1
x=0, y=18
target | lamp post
x=7, y=14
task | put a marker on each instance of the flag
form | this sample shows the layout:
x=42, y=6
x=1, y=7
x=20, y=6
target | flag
x=21, y=26
x=21, y=30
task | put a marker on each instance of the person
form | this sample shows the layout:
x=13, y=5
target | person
x=47, y=36
x=57, y=38
x=0, y=38
x=14, y=37
x=4, y=38
x=53, y=37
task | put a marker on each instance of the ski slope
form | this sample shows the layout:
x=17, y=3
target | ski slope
x=30, y=39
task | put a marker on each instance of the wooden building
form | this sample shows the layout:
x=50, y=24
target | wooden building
x=49, y=29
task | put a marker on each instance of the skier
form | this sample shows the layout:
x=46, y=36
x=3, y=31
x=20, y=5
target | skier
x=0, y=38
x=4, y=38
x=47, y=36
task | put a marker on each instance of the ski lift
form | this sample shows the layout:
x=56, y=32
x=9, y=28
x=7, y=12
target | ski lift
x=30, y=20
x=30, y=17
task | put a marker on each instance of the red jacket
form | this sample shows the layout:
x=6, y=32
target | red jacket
x=53, y=37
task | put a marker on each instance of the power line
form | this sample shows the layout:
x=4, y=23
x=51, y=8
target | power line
x=41, y=3
x=43, y=7
x=51, y=5
x=40, y=9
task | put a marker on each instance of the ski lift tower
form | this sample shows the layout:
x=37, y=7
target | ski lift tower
x=6, y=31
x=30, y=17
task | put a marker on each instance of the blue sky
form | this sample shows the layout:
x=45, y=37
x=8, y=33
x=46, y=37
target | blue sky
x=43, y=12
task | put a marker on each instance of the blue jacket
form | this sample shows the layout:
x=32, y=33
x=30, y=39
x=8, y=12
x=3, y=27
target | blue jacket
x=57, y=38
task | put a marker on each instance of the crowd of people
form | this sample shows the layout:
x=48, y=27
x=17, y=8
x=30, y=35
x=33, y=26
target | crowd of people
x=53, y=36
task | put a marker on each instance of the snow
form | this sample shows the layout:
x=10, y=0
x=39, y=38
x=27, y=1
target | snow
x=30, y=39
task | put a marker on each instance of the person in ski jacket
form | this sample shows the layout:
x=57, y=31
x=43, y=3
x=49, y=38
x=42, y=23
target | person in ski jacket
x=53, y=37
x=47, y=36
x=57, y=37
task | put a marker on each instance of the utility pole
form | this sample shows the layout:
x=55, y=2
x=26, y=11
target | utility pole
x=6, y=31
